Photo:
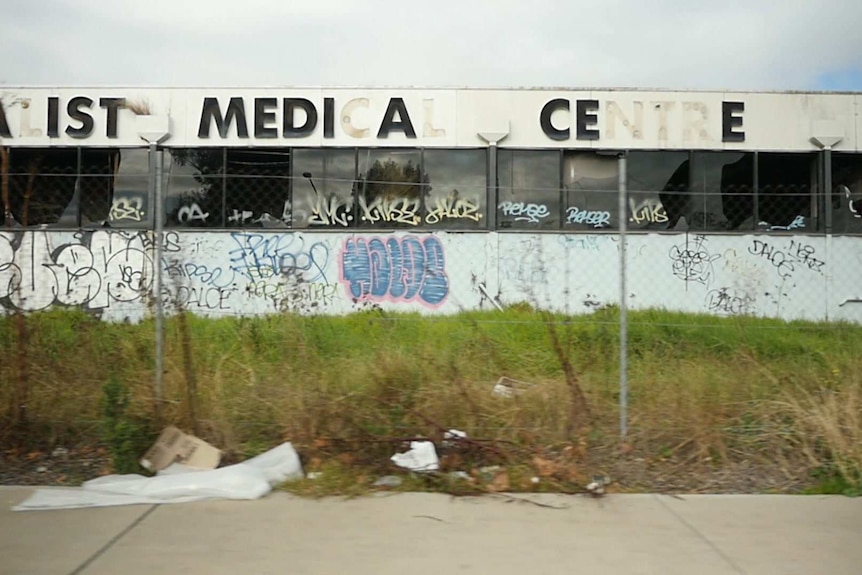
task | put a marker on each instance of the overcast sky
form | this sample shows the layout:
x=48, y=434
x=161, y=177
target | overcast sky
x=702, y=44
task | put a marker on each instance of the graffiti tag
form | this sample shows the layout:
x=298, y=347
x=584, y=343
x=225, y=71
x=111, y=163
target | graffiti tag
x=401, y=269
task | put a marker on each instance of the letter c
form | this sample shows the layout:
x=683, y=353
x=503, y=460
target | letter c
x=545, y=119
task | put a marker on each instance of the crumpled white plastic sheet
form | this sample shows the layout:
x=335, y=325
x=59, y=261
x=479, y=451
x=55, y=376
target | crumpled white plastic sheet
x=421, y=457
x=251, y=479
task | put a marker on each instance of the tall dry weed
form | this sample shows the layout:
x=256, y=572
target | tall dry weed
x=826, y=427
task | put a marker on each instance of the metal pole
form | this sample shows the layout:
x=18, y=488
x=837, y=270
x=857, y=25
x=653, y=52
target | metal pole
x=827, y=214
x=156, y=186
x=827, y=185
x=623, y=215
x=491, y=207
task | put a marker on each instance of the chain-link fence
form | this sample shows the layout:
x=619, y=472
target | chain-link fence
x=596, y=264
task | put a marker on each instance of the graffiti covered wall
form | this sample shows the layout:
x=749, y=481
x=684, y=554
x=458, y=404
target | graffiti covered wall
x=112, y=273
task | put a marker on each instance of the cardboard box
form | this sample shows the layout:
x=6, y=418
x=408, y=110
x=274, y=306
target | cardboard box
x=174, y=446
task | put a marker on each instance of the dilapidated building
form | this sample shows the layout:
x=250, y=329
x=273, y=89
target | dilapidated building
x=434, y=200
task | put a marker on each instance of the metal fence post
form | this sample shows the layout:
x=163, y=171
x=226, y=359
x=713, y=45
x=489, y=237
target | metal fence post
x=623, y=215
x=156, y=187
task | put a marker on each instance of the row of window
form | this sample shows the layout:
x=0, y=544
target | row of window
x=328, y=188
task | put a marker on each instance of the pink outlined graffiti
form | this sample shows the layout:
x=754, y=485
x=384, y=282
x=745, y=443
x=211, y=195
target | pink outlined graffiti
x=396, y=269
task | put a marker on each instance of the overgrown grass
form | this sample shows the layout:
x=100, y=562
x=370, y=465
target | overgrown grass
x=704, y=391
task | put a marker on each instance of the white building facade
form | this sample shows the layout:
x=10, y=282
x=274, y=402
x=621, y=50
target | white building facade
x=304, y=200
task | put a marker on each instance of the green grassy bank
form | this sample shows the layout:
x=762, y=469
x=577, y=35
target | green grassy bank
x=705, y=393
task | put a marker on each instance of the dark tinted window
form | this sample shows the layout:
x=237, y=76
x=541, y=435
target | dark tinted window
x=456, y=188
x=591, y=191
x=323, y=182
x=529, y=189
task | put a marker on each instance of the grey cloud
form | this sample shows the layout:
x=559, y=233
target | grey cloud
x=731, y=44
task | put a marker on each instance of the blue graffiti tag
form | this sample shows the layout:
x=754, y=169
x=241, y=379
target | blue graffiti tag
x=395, y=269
x=262, y=256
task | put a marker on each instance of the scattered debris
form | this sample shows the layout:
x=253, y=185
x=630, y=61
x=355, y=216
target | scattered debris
x=508, y=387
x=490, y=469
x=451, y=437
x=313, y=475
x=422, y=456
x=596, y=487
x=388, y=481
x=174, y=446
x=460, y=475
x=177, y=483
x=41, y=469
x=60, y=452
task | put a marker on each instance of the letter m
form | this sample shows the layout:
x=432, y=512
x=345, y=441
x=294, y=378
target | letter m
x=211, y=111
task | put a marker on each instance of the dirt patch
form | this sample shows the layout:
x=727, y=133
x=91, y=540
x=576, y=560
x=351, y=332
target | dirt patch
x=57, y=466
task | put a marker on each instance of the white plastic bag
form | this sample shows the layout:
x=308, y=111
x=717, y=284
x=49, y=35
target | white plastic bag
x=250, y=479
x=421, y=457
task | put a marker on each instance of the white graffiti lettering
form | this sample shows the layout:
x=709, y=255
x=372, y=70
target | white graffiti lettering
x=453, y=208
x=522, y=212
x=240, y=217
x=329, y=212
x=104, y=267
x=192, y=213
x=596, y=219
x=797, y=223
x=400, y=211
x=126, y=208
x=648, y=211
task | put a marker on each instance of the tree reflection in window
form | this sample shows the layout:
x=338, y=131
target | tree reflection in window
x=195, y=195
x=323, y=182
x=390, y=191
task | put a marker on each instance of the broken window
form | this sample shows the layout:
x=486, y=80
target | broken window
x=528, y=189
x=41, y=187
x=785, y=185
x=73, y=187
x=720, y=191
x=846, y=199
x=195, y=192
x=114, y=188
x=657, y=184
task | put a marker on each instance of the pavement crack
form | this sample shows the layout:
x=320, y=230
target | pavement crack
x=113, y=541
x=430, y=517
x=702, y=537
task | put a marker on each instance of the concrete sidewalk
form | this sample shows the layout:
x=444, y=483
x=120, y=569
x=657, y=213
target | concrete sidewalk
x=431, y=533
